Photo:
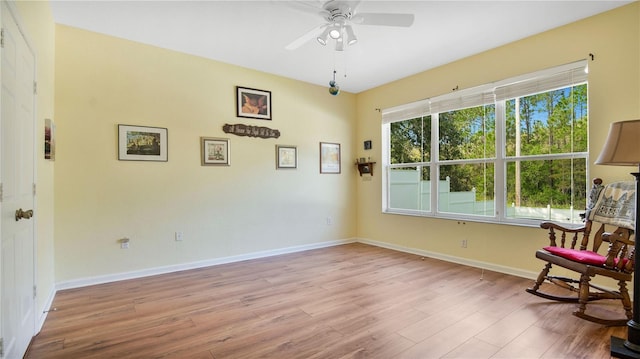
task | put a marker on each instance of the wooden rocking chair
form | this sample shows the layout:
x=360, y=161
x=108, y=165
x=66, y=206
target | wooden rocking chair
x=612, y=208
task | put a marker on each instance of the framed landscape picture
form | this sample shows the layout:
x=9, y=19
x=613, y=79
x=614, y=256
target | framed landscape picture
x=286, y=156
x=252, y=103
x=329, y=157
x=142, y=143
x=214, y=151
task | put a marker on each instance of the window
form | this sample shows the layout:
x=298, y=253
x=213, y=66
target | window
x=509, y=152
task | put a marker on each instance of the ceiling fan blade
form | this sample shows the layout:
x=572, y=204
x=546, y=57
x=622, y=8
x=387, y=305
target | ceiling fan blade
x=311, y=7
x=313, y=33
x=353, y=4
x=382, y=19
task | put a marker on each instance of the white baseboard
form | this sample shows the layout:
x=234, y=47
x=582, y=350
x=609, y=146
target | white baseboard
x=83, y=282
x=464, y=261
x=47, y=307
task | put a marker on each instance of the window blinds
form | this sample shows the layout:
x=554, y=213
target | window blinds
x=407, y=111
x=541, y=81
x=564, y=77
x=462, y=99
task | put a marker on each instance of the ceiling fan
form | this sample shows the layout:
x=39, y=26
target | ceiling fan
x=340, y=15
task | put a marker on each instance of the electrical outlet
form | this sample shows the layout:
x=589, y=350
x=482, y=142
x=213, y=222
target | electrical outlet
x=124, y=243
x=464, y=243
x=329, y=221
x=179, y=236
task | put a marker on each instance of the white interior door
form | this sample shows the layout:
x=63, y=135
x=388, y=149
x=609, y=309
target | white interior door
x=17, y=70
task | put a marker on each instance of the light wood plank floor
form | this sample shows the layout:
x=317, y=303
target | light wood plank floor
x=350, y=301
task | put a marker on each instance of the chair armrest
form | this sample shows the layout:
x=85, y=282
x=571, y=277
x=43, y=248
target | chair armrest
x=578, y=228
x=617, y=237
x=618, y=256
x=564, y=229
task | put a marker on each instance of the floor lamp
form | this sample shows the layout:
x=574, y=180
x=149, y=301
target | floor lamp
x=623, y=149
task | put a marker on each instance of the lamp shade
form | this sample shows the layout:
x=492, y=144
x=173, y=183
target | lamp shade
x=622, y=147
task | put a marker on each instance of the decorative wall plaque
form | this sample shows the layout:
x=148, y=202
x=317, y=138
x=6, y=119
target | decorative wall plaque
x=251, y=131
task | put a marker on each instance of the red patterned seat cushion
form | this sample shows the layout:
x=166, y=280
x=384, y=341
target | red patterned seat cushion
x=586, y=257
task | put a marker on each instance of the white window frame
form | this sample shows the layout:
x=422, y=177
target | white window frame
x=541, y=81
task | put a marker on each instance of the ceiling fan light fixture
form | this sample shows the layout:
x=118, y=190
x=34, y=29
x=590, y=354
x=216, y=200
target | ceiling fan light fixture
x=351, y=37
x=335, y=33
x=324, y=37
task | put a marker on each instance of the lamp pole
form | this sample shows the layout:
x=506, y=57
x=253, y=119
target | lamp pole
x=622, y=149
x=630, y=348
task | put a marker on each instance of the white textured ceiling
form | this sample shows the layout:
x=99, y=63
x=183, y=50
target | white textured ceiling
x=254, y=34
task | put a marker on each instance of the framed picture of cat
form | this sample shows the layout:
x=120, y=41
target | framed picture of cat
x=253, y=103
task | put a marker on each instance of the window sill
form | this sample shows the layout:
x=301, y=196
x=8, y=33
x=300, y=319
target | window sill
x=531, y=223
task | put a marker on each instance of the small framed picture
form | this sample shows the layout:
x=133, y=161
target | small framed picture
x=214, y=151
x=286, y=156
x=367, y=144
x=329, y=157
x=252, y=103
x=142, y=143
x=49, y=139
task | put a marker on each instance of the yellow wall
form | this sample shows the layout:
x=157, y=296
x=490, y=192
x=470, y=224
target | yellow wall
x=248, y=207
x=37, y=22
x=614, y=95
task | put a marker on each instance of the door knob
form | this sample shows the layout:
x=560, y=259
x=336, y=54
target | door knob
x=23, y=214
